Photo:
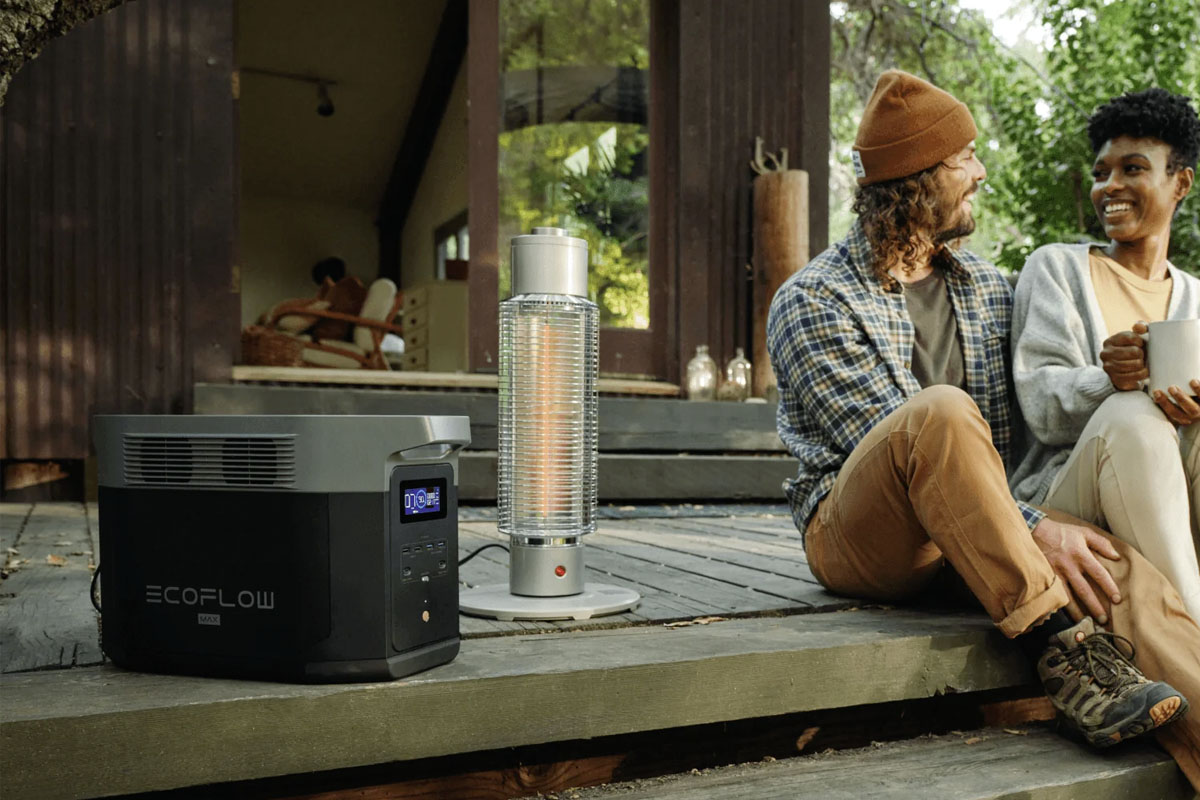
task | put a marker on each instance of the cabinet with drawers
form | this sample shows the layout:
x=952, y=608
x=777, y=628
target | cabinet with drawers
x=434, y=318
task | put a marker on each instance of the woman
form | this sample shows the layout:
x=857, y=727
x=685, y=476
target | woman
x=1099, y=447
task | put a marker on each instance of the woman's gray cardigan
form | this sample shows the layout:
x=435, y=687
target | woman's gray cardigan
x=1057, y=334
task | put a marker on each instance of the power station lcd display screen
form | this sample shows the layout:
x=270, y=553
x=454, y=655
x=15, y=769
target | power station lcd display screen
x=421, y=500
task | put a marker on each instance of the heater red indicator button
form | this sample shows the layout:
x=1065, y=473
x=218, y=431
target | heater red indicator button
x=560, y=570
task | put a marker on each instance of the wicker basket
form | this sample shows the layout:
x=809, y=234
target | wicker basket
x=269, y=348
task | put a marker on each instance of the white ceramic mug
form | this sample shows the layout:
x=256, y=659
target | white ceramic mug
x=1173, y=354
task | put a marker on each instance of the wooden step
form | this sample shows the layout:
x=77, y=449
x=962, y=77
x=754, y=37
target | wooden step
x=628, y=424
x=644, y=477
x=128, y=732
x=1030, y=763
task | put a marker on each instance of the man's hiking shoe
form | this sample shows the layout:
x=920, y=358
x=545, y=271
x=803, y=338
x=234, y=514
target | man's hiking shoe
x=1090, y=677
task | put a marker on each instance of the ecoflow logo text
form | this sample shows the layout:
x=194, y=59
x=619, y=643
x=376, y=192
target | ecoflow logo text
x=259, y=599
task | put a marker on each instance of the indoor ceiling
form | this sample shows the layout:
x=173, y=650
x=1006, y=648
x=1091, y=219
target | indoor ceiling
x=375, y=51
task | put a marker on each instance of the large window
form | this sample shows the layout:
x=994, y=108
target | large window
x=573, y=139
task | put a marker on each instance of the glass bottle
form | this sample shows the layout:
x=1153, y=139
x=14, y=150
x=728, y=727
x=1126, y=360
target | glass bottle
x=737, y=377
x=702, y=375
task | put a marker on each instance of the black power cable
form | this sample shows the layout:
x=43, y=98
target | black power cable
x=480, y=550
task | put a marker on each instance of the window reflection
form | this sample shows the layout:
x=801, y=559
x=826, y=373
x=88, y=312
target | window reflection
x=573, y=141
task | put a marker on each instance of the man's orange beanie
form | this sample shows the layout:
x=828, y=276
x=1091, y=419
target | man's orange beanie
x=908, y=125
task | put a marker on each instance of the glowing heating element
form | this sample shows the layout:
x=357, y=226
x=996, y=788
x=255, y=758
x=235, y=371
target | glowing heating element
x=547, y=480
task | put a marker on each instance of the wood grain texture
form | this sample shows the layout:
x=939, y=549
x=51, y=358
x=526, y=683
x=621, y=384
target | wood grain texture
x=12, y=520
x=119, y=223
x=46, y=618
x=982, y=765
x=126, y=731
x=642, y=477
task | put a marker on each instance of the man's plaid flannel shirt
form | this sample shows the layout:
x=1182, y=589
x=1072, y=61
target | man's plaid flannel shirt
x=841, y=346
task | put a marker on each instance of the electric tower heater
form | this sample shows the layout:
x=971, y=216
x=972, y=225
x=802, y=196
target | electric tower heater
x=546, y=489
x=301, y=548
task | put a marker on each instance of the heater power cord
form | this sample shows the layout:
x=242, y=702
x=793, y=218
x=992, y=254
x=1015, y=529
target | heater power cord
x=468, y=557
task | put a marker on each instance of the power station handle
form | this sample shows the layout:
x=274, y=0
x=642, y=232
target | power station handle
x=438, y=448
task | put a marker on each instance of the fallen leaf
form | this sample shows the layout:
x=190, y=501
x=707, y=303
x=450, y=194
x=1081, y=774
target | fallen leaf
x=1016, y=732
x=803, y=739
x=79, y=553
x=12, y=551
x=974, y=740
x=63, y=544
x=55, y=561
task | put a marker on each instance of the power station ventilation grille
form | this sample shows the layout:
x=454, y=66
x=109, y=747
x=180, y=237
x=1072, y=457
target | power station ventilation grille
x=215, y=461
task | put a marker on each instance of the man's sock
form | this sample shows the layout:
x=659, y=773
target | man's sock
x=1035, y=640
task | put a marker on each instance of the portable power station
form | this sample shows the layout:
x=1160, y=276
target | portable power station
x=299, y=548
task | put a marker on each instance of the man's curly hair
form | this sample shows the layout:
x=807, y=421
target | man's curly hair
x=1154, y=113
x=897, y=216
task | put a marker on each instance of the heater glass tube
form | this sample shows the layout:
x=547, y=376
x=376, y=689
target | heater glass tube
x=547, y=408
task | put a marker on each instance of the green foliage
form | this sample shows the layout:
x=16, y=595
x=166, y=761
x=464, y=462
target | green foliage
x=546, y=178
x=555, y=33
x=606, y=205
x=1031, y=104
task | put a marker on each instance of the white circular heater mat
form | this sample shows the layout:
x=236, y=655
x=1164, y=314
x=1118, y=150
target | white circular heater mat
x=495, y=601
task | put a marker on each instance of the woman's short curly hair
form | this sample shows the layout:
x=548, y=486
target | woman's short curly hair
x=897, y=216
x=1154, y=113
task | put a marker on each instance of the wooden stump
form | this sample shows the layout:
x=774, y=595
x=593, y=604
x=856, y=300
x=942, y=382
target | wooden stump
x=780, y=248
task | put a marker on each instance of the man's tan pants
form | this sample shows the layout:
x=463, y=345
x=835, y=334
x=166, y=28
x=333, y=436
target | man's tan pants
x=926, y=488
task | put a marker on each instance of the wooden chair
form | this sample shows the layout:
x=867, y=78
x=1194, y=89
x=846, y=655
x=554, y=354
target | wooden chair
x=269, y=344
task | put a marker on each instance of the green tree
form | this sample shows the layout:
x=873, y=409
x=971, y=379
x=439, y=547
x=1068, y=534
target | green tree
x=586, y=176
x=1101, y=50
x=1031, y=103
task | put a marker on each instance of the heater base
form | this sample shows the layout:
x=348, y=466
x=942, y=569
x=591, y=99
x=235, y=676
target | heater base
x=495, y=601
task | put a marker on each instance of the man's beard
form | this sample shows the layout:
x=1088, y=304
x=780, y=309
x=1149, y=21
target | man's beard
x=962, y=227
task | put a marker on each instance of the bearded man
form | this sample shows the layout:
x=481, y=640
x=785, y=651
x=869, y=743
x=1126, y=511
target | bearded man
x=891, y=354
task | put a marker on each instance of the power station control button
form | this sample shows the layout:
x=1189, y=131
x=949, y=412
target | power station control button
x=424, y=616
x=407, y=571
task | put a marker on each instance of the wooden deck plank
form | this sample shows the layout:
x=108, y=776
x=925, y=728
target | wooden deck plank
x=786, y=589
x=656, y=605
x=633, y=552
x=710, y=595
x=46, y=618
x=988, y=764
x=777, y=527
x=125, y=731
x=687, y=536
x=12, y=519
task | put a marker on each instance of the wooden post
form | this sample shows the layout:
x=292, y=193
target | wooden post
x=780, y=248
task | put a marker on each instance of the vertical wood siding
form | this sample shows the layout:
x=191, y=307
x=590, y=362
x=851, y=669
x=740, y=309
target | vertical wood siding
x=117, y=223
x=746, y=68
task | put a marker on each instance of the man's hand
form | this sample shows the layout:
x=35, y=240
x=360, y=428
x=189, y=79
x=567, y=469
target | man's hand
x=1179, y=407
x=1124, y=357
x=1071, y=551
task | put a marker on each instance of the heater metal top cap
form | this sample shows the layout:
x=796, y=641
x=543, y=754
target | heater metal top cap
x=548, y=261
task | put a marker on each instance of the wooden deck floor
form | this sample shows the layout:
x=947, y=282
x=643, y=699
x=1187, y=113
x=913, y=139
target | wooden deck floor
x=732, y=626
x=734, y=563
